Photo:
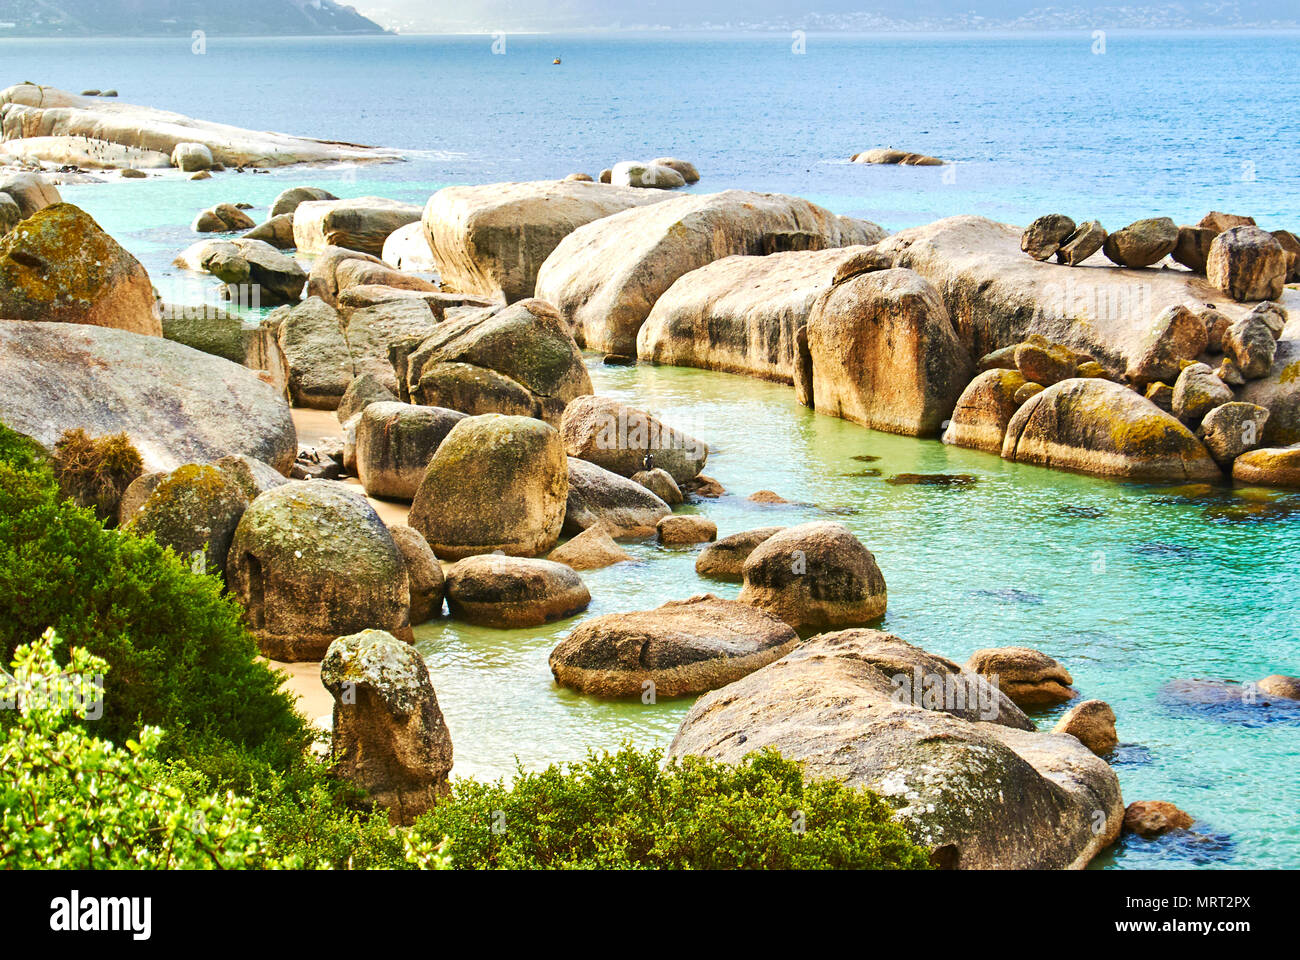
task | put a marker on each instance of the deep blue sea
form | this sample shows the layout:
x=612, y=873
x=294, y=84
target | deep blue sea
x=1132, y=586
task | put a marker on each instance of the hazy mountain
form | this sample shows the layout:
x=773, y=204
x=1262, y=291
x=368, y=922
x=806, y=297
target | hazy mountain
x=78, y=18
x=559, y=15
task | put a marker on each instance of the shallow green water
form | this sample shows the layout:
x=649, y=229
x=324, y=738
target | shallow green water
x=1130, y=586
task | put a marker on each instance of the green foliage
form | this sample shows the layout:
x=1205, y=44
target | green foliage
x=95, y=471
x=69, y=800
x=180, y=655
x=624, y=810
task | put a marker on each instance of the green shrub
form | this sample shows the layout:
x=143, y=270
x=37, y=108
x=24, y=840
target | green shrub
x=625, y=810
x=69, y=800
x=95, y=471
x=180, y=656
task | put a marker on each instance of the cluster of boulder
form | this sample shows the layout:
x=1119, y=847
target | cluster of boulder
x=1232, y=252
x=661, y=173
x=890, y=156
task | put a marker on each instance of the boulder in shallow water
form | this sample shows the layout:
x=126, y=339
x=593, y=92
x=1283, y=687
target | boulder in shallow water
x=1092, y=723
x=1151, y=818
x=390, y=737
x=497, y=591
x=396, y=443
x=891, y=157
x=684, y=167
x=884, y=354
x=252, y=270
x=979, y=420
x=591, y=549
x=362, y=223
x=1247, y=264
x=495, y=483
x=661, y=483
x=686, y=529
x=725, y=559
x=223, y=218
x=423, y=573
x=59, y=266
x=1030, y=678
x=1099, y=427
x=600, y=497
x=289, y=200
x=1278, y=685
x=1269, y=466
x=1142, y=242
x=815, y=576
x=633, y=173
x=964, y=769
x=311, y=561
x=605, y=277
x=683, y=647
x=620, y=438
x=176, y=404
x=278, y=232
x=407, y=248
x=491, y=239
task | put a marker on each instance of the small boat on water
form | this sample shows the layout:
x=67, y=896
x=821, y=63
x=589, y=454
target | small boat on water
x=556, y=61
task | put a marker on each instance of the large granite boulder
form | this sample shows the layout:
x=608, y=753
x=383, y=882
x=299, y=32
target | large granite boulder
x=1197, y=391
x=519, y=360
x=979, y=420
x=815, y=576
x=1177, y=336
x=1247, y=264
x=1095, y=426
x=1252, y=346
x=176, y=404
x=492, y=239
x=59, y=266
x=362, y=223
x=496, y=591
x=207, y=328
x=10, y=215
x=884, y=354
x=395, y=444
x=319, y=360
x=38, y=112
x=605, y=277
x=371, y=332
x=389, y=735
x=278, y=232
x=966, y=772
x=361, y=393
x=600, y=497
x=620, y=438
x=495, y=483
x=407, y=249
x=311, y=561
x=1278, y=391
x=681, y=648
x=1231, y=429
x=740, y=314
x=194, y=510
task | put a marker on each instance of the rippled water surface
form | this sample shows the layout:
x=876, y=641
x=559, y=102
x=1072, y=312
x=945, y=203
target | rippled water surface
x=1132, y=587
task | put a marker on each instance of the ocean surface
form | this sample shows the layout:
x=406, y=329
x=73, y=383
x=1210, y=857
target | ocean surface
x=1133, y=587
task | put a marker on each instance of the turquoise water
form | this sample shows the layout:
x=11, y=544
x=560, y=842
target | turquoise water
x=1131, y=586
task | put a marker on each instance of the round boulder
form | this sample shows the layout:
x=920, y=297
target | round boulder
x=725, y=559
x=311, y=561
x=686, y=529
x=681, y=648
x=1093, y=724
x=984, y=409
x=598, y=496
x=1151, y=818
x=495, y=483
x=1247, y=263
x=194, y=510
x=1279, y=685
x=590, y=550
x=1029, y=677
x=815, y=576
x=395, y=443
x=1142, y=243
x=622, y=439
x=1267, y=466
x=492, y=590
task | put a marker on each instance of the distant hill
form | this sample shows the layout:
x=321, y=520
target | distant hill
x=151, y=18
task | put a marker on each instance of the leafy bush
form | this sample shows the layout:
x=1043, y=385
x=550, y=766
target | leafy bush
x=625, y=810
x=180, y=655
x=95, y=471
x=69, y=800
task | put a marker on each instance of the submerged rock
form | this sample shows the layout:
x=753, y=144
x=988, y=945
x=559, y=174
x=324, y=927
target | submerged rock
x=59, y=266
x=311, y=561
x=390, y=737
x=681, y=648
x=1151, y=818
x=499, y=591
x=815, y=576
x=967, y=774
x=890, y=156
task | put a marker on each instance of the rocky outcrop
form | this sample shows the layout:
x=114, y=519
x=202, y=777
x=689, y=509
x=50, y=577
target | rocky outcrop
x=508, y=592
x=605, y=277
x=257, y=271
x=423, y=573
x=311, y=561
x=740, y=314
x=519, y=360
x=725, y=559
x=395, y=444
x=59, y=266
x=362, y=223
x=979, y=420
x=683, y=647
x=884, y=354
x=28, y=110
x=626, y=441
x=599, y=497
x=495, y=483
x=491, y=239
x=176, y=404
x=815, y=576
x=389, y=735
x=968, y=776
x=194, y=510
x=1099, y=427
x=1030, y=678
